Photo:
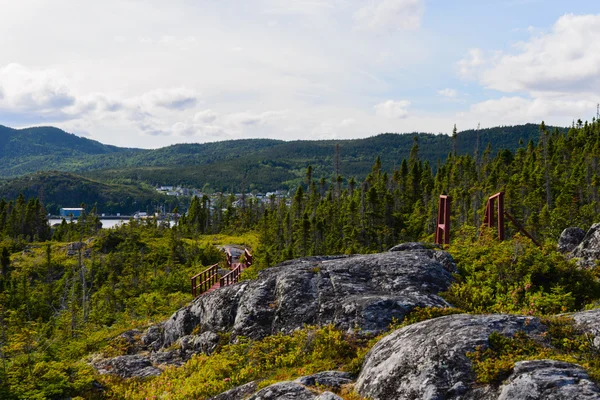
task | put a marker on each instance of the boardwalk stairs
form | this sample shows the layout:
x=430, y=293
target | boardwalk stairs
x=209, y=279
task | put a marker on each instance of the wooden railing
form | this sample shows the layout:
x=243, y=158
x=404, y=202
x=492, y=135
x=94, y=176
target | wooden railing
x=232, y=277
x=248, y=257
x=229, y=258
x=207, y=279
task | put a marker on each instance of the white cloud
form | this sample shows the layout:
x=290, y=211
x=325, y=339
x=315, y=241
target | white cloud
x=393, y=109
x=551, y=75
x=306, y=7
x=348, y=122
x=175, y=99
x=333, y=129
x=520, y=110
x=470, y=67
x=385, y=15
x=448, y=93
x=563, y=61
x=250, y=118
x=25, y=91
x=206, y=116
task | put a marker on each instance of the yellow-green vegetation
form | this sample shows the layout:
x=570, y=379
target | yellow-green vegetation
x=561, y=342
x=273, y=359
x=247, y=239
x=59, y=305
x=515, y=276
x=425, y=313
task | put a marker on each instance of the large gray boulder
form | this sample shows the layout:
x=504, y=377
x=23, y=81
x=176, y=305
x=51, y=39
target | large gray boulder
x=427, y=360
x=548, y=380
x=128, y=366
x=279, y=391
x=284, y=391
x=569, y=239
x=238, y=393
x=359, y=293
x=328, y=379
x=589, y=322
x=587, y=252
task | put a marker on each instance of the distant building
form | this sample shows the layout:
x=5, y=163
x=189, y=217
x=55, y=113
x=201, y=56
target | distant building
x=68, y=212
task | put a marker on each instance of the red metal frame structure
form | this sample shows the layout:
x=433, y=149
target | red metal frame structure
x=442, y=232
x=207, y=278
x=488, y=219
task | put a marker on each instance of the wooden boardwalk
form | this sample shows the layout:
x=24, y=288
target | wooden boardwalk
x=209, y=280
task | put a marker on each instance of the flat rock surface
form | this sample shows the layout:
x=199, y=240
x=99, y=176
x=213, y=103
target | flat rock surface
x=284, y=391
x=427, y=360
x=330, y=379
x=548, y=380
x=128, y=366
x=364, y=292
x=238, y=393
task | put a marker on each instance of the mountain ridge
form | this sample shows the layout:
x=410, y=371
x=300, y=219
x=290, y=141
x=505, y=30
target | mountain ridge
x=252, y=164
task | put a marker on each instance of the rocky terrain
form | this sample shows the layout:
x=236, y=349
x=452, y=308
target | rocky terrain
x=363, y=295
x=582, y=246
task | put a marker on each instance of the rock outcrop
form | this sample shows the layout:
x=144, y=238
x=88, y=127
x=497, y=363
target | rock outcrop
x=129, y=366
x=298, y=389
x=427, y=360
x=589, y=322
x=587, y=252
x=284, y=391
x=361, y=294
x=330, y=379
x=238, y=393
x=355, y=293
x=569, y=239
x=548, y=380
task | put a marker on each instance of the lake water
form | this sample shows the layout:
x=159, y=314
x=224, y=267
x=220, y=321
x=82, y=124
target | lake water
x=106, y=223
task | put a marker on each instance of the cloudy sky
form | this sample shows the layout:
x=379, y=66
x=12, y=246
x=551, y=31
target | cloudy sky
x=152, y=73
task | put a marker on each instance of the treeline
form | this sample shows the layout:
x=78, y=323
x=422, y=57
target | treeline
x=60, y=301
x=549, y=185
x=253, y=164
x=62, y=189
x=24, y=220
x=224, y=214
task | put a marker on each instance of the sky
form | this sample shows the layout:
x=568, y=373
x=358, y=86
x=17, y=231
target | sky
x=153, y=73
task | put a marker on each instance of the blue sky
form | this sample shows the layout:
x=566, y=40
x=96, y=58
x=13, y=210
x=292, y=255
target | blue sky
x=153, y=73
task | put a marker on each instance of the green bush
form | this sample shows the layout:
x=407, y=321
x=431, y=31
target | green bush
x=272, y=359
x=562, y=341
x=515, y=276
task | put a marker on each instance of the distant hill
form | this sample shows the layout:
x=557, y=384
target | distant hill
x=63, y=189
x=41, y=141
x=268, y=165
x=261, y=164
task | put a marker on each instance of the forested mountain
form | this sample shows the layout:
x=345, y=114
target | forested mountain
x=61, y=308
x=550, y=184
x=40, y=141
x=63, y=189
x=261, y=164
